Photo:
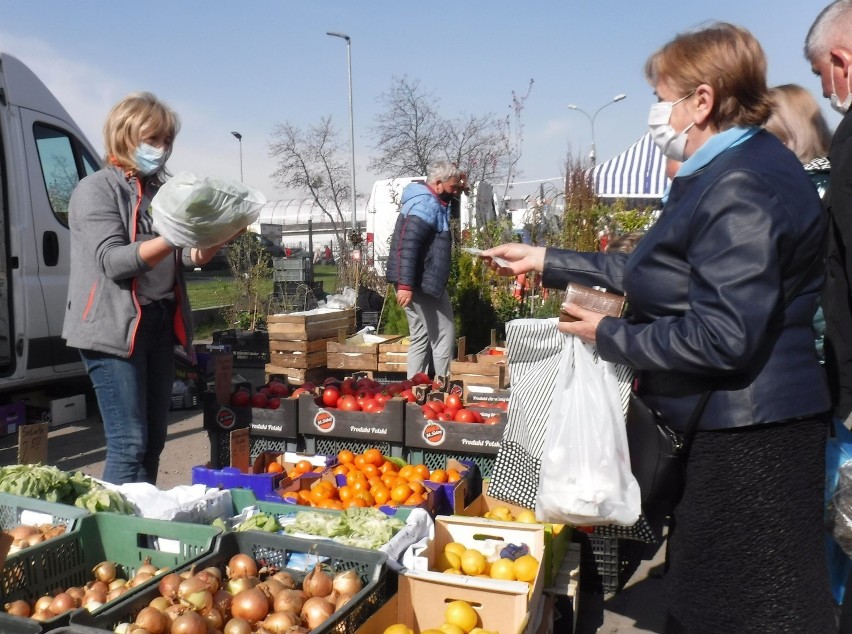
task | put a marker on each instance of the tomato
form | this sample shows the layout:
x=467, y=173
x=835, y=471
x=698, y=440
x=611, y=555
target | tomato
x=273, y=403
x=364, y=393
x=240, y=398
x=504, y=405
x=298, y=392
x=364, y=382
x=477, y=417
x=259, y=400
x=429, y=413
x=278, y=388
x=308, y=386
x=437, y=406
x=453, y=401
x=421, y=378
x=409, y=396
x=394, y=388
x=446, y=416
x=369, y=405
x=265, y=391
x=348, y=387
x=465, y=416
x=348, y=403
x=382, y=398
x=407, y=384
x=330, y=396
x=332, y=380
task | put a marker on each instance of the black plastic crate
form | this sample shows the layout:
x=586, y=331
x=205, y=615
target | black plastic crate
x=368, y=318
x=280, y=551
x=332, y=446
x=604, y=561
x=260, y=444
x=250, y=348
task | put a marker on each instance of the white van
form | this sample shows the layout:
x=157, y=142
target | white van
x=44, y=155
x=472, y=210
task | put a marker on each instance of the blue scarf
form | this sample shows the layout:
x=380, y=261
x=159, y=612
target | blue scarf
x=712, y=148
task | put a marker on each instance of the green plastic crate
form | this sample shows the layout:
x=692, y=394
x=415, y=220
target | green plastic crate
x=277, y=550
x=13, y=506
x=127, y=540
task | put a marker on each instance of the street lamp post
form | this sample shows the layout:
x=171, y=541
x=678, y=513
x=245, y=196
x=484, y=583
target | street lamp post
x=591, y=119
x=239, y=138
x=351, y=126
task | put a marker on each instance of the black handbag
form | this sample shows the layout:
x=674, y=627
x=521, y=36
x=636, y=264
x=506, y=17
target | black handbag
x=657, y=453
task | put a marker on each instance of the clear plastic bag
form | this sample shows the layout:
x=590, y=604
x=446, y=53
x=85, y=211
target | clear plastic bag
x=585, y=476
x=197, y=211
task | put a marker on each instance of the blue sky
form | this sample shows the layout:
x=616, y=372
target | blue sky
x=249, y=65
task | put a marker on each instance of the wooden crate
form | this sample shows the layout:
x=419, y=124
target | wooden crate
x=475, y=373
x=360, y=352
x=297, y=376
x=310, y=325
x=393, y=357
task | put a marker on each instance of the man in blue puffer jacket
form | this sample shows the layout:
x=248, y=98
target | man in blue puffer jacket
x=419, y=266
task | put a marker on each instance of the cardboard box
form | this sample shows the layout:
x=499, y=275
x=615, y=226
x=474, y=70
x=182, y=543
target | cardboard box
x=360, y=352
x=557, y=537
x=393, y=356
x=455, y=496
x=276, y=423
x=503, y=606
x=484, y=438
x=385, y=426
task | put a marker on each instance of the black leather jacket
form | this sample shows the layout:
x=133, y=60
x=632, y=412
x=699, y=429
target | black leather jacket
x=706, y=289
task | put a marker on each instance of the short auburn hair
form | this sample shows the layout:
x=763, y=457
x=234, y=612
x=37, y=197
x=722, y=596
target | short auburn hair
x=133, y=118
x=728, y=58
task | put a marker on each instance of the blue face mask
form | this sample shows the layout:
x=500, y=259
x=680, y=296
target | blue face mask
x=149, y=159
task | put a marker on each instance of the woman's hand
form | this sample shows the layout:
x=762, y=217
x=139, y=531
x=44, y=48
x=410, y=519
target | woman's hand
x=516, y=258
x=586, y=325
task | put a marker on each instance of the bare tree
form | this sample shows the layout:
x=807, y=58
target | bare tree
x=512, y=137
x=409, y=133
x=314, y=161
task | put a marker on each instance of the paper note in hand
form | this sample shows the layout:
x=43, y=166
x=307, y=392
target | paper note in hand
x=477, y=252
x=599, y=301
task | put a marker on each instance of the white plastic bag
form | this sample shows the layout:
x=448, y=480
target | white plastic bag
x=197, y=211
x=585, y=476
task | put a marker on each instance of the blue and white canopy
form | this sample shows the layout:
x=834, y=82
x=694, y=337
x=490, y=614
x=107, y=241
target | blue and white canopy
x=638, y=172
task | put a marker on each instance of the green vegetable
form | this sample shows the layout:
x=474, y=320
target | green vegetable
x=45, y=482
x=360, y=527
x=399, y=462
x=260, y=522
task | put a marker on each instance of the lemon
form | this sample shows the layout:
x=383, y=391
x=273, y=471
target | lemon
x=449, y=628
x=455, y=547
x=452, y=571
x=431, y=630
x=525, y=568
x=503, y=569
x=502, y=513
x=460, y=614
x=398, y=628
x=527, y=517
x=447, y=560
x=473, y=562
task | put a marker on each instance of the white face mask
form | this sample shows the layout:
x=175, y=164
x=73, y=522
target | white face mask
x=149, y=159
x=671, y=143
x=840, y=106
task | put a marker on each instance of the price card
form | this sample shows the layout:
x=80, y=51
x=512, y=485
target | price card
x=240, y=449
x=223, y=373
x=32, y=443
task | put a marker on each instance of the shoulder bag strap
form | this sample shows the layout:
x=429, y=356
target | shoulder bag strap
x=692, y=424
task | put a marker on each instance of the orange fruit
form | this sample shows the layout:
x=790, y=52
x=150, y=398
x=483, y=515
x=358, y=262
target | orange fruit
x=354, y=476
x=345, y=456
x=366, y=496
x=381, y=495
x=340, y=469
x=359, y=485
x=407, y=472
x=370, y=470
x=388, y=467
x=303, y=466
x=291, y=496
x=374, y=457
x=274, y=467
x=293, y=474
x=398, y=480
x=374, y=481
x=355, y=501
x=318, y=494
x=392, y=503
x=422, y=472
x=414, y=499
x=401, y=492
x=360, y=461
x=331, y=504
x=388, y=479
x=438, y=475
x=416, y=486
x=344, y=493
x=453, y=475
x=305, y=495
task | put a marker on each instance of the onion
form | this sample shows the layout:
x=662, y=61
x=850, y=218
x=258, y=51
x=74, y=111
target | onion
x=122, y=628
x=251, y=605
x=34, y=539
x=21, y=532
x=117, y=583
x=284, y=577
x=160, y=603
x=153, y=620
x=98, y=586
x=272, y=587
x=342, y=600
x=211, y=581
x=174, y=611
x=18, y=608
x=61, y=603
x=148, y=567
x=169, y=585
x=235, y=586
x=241, y=565
x=140, y=578
x=222, y=602
x=289, y=601
x=93, y=605
x=317, y=583
x=93, y=595
x=280, y=622
x=316, y=611
x=42, y=615
x=76, y=592
x=237, y=626
x=347, y=582
x=116, y=592
x=189, y=623
x=42, y=604
x=214, y=619
x=213, y=570
x=105, y=571
x=298, y=630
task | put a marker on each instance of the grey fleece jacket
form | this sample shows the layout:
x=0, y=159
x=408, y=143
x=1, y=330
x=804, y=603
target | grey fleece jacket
x=102, y=311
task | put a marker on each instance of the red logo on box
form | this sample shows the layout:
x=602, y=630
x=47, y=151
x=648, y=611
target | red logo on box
x=324, y=421
x=434, y=434
x=458, y=390
x=225, y=418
